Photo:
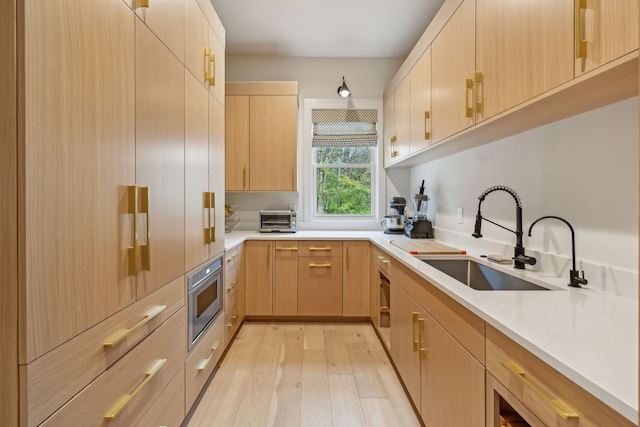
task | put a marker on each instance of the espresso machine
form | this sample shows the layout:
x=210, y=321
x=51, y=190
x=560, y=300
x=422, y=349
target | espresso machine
x=394, y=223
x=419, y=226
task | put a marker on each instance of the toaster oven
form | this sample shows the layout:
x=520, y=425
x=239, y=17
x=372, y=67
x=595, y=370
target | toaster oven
x=284, y=221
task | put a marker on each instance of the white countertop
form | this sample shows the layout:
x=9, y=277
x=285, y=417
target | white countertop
x=589, y=336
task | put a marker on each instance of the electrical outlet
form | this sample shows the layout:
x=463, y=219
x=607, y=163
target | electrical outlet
x=459, y=215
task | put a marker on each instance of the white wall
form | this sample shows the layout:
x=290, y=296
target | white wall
x=584, y=169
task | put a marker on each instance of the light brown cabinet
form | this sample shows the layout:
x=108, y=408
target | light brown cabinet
x=523, y=49
x=262, y=130
x=389, y=132
x=259, y=278
x=320, y=278
x=605, y=31
x=453, y=65
x=285, y=284
x=356, y=268
x=166, y=20
x=420, y=103
x=396, y=116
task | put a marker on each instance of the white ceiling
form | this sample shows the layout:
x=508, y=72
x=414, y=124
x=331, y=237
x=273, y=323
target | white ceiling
x=324, y=28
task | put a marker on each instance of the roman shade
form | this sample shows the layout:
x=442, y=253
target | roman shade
x=344, y=128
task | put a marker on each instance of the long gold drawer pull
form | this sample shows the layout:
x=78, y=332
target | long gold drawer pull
x=319, y=265
x=205, y=362
x=557, y=405
x=414, y=325
x=146, y=248
x=286, y=249
x=427, y=134
x=320, y=249
x=212, y=217
x=346, y=257
x=477, y=77
x=124, y=401
x=468, y=88
x=581, y=44
x=422, y=351
x=207, y=67
x=233, y=320
x=233, y=285
x=131, y=251
x=207, y=206
x=244, y=177
x=123, y=334
x=383, y=259
x=144, y=3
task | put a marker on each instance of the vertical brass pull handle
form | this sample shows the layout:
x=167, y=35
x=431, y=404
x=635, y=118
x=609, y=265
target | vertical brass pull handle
x=414, y=325
x=557, y=405
x=581, y=43
x=132, y=209
x=207, y=206
x=212, y=217
x=468, y=89
x=116, y=338
x=394, y=152
x=346, y=257
x=213, y=67
x=144, y=3
x=427, y=134
x=477, y=77
x=206, y=361
x=269, y=256
x=244, y=178
x=146, y=248
x=293, y=178
x=207, y=62
x=127, y=398
x=422, y=351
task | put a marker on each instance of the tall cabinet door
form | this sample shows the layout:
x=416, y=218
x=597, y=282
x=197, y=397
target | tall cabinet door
x=285, y=284
x=78, y=159
x=402, y=118
x=259, y=278
x=389, y=111
x=237, y=143
x=420, y=103
x=166, y=19
x=197, y=232
x=273, y=143
x=606, y=30
x=523, y=49
x=160, y=158
x=356, y=266
x=453, y=66
x=216, y=176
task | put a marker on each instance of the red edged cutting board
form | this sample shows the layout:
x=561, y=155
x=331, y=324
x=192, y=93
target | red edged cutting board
x=425, y=247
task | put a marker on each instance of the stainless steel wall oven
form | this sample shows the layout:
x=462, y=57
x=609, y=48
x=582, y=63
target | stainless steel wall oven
x=205, y=298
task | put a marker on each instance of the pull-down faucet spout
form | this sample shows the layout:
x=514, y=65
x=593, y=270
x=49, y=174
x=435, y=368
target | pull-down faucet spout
x=575, y=281
x=519, y=257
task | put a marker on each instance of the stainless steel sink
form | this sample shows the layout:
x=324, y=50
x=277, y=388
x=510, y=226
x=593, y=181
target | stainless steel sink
x=481, y=277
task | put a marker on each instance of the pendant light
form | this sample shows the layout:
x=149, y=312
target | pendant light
x=343, y=90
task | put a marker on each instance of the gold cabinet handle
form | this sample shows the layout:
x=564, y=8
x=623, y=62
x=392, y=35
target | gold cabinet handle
x=414, y=325
x=422, y=351
x=244, y=177
x=116, y=338
x=212, y=217
x=127, y=398
x=477, y=77
x=581, y=43
x=320, y=249
x=207, y=206
x=232, y=258
x=233, y=320
x=427, y=134
x=557, y=405
x=286, y=249
x=269, y=256
x=319, y=265
x=468, y=89
x=394, y=152
x=132, y=209
x=144, y=3
x=383, y=259
x=233, y=285
x=346, y=257
x=146, y=248
x=212, y=65
x=206, y=361
x=209, y=58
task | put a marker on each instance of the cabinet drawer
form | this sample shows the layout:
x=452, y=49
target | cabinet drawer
x=233, y=317
x=320, y=248
x=383, y=260
x=550, y=396
x=168, y=410
x=60, y=374
x=320, y=286
x=203, y=359
x=230, y=258
x=123, y=393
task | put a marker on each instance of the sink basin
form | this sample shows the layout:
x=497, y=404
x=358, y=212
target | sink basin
x=481, y=277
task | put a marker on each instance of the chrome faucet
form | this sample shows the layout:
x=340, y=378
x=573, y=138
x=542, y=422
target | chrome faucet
x=519, y=257
x=574, y=275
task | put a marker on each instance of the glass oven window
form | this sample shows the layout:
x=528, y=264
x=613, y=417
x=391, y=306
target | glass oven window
x=207, y=297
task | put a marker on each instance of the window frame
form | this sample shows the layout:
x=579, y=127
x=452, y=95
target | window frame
x=307, y=198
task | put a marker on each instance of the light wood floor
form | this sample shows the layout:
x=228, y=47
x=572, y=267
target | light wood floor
x=282, y=374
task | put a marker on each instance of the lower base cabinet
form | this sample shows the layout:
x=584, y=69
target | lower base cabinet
x=320, y=286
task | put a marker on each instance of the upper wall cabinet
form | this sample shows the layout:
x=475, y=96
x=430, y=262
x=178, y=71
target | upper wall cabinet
x=389, y=111
x=420, y=103
x=166, y=19
x=262, y=132
x=605, y=30
x=453, y=65
x=398, y=107
x=523, y=49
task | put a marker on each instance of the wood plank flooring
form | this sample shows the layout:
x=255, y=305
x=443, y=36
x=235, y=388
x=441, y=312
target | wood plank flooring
x=305, y=374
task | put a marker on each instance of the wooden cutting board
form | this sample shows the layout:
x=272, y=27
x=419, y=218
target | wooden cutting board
x=425, y=247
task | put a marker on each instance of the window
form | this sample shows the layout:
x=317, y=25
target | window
x=343, y=159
